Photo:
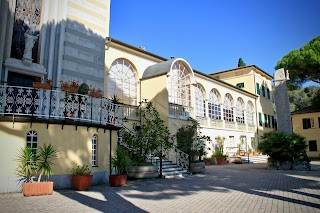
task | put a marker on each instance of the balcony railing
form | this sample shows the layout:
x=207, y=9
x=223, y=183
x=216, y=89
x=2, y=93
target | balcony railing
x=180, y=111
x=57, y=104
x=241, y=126
x=130, y=112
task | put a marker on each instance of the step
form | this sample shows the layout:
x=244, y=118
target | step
x=172, y=169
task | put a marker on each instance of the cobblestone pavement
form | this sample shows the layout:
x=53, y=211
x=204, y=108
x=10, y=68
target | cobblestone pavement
x=228, y=188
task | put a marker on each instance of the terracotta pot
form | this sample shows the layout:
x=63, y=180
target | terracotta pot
x=207, y=162
x=117, y=180
x=69, y=89
x=37, y=188
x=81, y=182
x=39, y=85
x=220, y=160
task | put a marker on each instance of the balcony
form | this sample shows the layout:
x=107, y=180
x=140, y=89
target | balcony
x=58, y=105
x=179, y=111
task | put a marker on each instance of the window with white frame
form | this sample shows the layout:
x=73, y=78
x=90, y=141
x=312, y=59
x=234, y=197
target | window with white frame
x=240, y=111
x=227, y=108
x=32, y=140
x=122, y=82
x=179, y=85
x=249, y=113
x=199, y=101
x=94, y=150
x=214, y=105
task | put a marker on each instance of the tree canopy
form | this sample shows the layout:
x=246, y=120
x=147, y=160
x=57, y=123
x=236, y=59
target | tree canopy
x=304, y=97
x=303, y=64
x=241, y=63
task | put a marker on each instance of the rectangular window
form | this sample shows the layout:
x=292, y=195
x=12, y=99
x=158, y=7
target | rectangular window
x=260, y=119
x=263, y=91
x=319, y=121
x=266, y=120
x=269, y=121
x=268, y=93
x=313, y=146
x=272, y=122
x=258, y=88
x=308, y=123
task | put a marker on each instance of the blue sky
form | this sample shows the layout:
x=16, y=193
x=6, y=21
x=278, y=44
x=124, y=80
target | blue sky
x=212, y=35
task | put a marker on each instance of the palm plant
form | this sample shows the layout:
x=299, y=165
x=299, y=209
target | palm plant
x=120, y=161
x=46, y=154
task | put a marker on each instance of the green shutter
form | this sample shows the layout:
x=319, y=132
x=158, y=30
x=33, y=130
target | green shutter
x=260, y=119
x=258, y=89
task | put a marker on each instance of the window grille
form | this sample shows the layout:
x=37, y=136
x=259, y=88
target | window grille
x=199, y=101
x=214, y=105
x=122, y=82
x=249, y=114
x=94, y=150
x=240, y=111
x=227, y=108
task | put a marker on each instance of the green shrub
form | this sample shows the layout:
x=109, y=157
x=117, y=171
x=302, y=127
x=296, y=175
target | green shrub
x=283, y=147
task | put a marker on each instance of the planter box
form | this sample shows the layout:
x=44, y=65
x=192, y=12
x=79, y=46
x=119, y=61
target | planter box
x=70, y=89
x=37, y=188
x=197, y=167
x=117, y=180
x=39, y=85
x=138, y=172
x=80, y=182
x=220, y=160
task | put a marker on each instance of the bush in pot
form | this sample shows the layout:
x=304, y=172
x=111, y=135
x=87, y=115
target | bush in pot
x=81, y=177
x=33, y=162
x=120, y=163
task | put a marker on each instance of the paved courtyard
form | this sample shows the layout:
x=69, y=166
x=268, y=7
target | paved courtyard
x=228, y=188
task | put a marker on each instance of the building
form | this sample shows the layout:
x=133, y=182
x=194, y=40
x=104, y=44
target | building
x=306, y=122
x=68, y=40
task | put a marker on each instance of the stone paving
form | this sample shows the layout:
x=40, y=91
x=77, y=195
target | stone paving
x=227, y=188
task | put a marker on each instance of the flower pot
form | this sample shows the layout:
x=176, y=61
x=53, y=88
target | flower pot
x=117, y=180
x=39, y=85
x=81, y=182
x=207, y=162
x=69, y=89
x=220, y=160
x=197, y=167
x=37, y=188
x=137, y=172
x=95, y=94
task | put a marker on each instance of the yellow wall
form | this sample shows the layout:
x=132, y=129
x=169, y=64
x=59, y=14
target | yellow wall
x=74, y=145
x=309, y=134
x=155, y=91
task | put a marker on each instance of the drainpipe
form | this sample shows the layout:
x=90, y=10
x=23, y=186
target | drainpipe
x=110, y=152
x=255, y=88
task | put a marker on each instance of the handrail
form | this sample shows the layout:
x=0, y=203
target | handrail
x=58, y=104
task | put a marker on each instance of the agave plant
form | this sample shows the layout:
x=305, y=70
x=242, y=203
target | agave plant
x=33, y=162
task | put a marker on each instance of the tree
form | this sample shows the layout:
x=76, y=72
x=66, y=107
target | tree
x=241, y=63
x=303, y=64
x=304, y=97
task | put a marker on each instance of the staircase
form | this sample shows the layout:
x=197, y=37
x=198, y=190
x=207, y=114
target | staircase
x=170, y=170
x=255, y=159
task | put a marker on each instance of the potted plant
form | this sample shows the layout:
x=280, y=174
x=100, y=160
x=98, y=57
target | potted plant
x=220, y=157
x=95, y=93
x=81, y=177
x=120, y=163
x=191, y=141
x=70, y=86
x=33, y=162
x=149, y=139
x=207, y=161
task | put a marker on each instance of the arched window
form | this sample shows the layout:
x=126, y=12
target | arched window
x=240, y=111
x=227, y=108
x=249, y=113
x=32, y=140
x=94, y=150
x=179, y=85
x=214, y=105
x=122, y=82
x=199, y=101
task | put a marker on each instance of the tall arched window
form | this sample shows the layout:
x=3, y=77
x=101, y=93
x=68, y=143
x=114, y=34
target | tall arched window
x=179, y=85
x=249, y=113
x=199, y=101
x=240, y=111
x=122, y=82
x=32, y=140
x=214, y=105
x=227, y=108
x=94, y=150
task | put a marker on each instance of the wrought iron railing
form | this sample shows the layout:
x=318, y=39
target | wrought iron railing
x=130, y=112
x=178, y=157
x=57, y=104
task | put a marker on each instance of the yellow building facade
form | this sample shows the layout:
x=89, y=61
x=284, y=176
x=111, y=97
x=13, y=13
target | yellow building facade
x=306, y=122
x=72, y=45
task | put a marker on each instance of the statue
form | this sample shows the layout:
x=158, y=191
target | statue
x=29, y=43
